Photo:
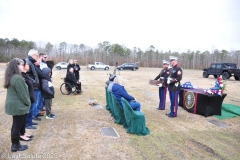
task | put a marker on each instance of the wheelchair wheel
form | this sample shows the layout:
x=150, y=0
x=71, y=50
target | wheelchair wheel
x=66, y=88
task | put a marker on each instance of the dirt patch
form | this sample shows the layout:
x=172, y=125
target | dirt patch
x=205, y=148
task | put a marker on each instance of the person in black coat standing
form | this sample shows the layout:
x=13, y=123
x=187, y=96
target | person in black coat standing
x=70, y=65
x=70, y=78
x=48, y=93
x=28, y=117
x=76, y=69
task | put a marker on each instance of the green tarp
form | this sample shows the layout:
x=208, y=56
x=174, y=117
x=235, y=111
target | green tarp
x=229, y=111
x=135, y=120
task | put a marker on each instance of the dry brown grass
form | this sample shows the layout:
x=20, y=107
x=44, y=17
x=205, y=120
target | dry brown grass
x=75, y=132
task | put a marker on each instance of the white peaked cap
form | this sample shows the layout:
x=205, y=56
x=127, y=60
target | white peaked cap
x=165, y=62
x=173, y=58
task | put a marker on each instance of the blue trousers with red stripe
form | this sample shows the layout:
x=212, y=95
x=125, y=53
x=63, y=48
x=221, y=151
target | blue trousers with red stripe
x=162, y=97
x=174, y=103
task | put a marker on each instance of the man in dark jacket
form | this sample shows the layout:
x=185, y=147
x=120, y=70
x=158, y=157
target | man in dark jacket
x=35, y=74
x=31, y=59
x=76, y=69
x=70, y=78
x=41, y=75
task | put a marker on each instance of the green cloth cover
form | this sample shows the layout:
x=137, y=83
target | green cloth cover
x=229, y=111
x=107, y=99
x=135, y=120
x=111, y=104
x=118, y=111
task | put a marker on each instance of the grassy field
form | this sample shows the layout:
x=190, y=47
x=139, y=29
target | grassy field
x=75, y=133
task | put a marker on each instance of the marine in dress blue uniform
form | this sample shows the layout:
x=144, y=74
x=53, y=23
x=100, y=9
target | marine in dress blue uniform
x=162, y=77
x=174, y=86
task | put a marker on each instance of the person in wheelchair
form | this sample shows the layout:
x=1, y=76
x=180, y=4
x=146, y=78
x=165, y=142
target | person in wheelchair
x=70, y=78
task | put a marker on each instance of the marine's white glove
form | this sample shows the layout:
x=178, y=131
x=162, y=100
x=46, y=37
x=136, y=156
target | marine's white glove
x=160, y=84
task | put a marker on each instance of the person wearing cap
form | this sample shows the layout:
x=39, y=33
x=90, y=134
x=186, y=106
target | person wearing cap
x=76, y=69
x=162, y=77
x=174, y=86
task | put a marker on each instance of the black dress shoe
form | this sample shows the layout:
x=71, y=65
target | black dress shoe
x=34, y=123
x=171, y=116
x=21, y=139
x=160, y=109
x=31, y=136
x=37, y=119
x=40, y=115
x=79, y=91
x=30, y=127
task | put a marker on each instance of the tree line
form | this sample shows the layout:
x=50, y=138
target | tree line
x=111, y=53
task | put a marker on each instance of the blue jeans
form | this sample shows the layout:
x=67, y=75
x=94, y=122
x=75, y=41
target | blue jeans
x=135, y=105
x=41, y=103
x=29, y=117
x=36, y=103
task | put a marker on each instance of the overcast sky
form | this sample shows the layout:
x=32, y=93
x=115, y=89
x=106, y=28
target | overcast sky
x=176, y=25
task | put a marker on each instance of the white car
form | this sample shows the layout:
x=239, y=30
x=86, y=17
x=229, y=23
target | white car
x=98, y=65
x=61, y=65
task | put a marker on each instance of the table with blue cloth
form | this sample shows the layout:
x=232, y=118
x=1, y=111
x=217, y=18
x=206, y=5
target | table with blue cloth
x=197, y=102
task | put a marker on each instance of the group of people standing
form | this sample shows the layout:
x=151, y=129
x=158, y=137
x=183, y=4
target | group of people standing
x=169, y=80
x=29, y=87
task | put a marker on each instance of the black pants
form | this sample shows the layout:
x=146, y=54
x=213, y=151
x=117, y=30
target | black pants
x=79, y=86
x=76, y=75
x=48, y=105
x=17, y=125
x=22, y=129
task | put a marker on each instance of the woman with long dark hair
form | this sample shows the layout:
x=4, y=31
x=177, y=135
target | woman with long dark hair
x=17, y=102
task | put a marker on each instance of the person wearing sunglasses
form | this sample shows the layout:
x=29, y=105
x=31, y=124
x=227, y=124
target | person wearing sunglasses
x=43, y=63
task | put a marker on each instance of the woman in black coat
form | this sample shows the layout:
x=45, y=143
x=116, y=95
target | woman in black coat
x=28, y=117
